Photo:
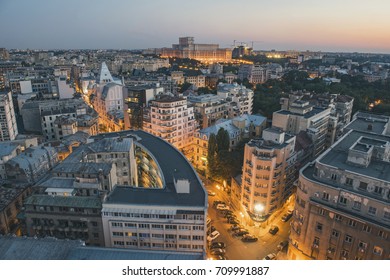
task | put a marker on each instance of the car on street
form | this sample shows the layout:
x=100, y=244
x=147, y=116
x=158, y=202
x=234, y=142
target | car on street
x=222, y=207
x=235, y=227
x=241, y=232
x=213, y=235
x=217, y=245
x=233, y=221
x=210, y=193
x=282, y=245
x=218, y=251
x=274, y=229
x=286, y=217
x=269, y=257
x=249, y=238
x=216, y=202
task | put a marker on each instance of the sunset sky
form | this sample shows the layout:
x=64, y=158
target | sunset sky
x=342, y=25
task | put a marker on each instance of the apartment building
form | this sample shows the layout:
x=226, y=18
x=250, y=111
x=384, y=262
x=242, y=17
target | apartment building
x=171, y=217
x=208, y=108
x=239, y=97
x=239, y=128
x=65, y=216
x=342, y=202
x=268, y=173
x=302, y=116
x=8, y=127
x=171, y=119
x=137, y=99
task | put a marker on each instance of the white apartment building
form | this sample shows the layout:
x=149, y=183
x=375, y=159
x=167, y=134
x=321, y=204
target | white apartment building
x=169, y=217
x=239, y=97
x=8, y=127
x=171, y=119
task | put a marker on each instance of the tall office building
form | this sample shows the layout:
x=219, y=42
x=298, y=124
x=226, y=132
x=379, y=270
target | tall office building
x=342, y=202
x=8, y=127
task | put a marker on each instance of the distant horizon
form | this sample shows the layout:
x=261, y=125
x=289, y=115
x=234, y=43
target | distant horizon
x=349, y=26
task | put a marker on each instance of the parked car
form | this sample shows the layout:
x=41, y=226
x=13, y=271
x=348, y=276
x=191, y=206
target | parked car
x=286, y=217
x=210, y=193
x=216, y=202
x=217, y=245
x=213, y=235
x=274, y=229
x=233, y=221
x=222, y=207
x=241, y=232
x=249, y=238
x=237, y=228
x=212, y=228
x=217, y=251
x=269, y=257
x=234, y=227
x=282, y=245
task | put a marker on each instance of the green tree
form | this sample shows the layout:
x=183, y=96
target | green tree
x=212, y=155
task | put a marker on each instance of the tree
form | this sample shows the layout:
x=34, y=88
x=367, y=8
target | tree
x=212, y=155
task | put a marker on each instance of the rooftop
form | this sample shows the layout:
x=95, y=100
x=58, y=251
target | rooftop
x=7, y=148
x=171, y=162
x=7, y=195
x=68, y=201
x=307, y=115
x=338, y=154
x=82, y=168
x=111, y=145
x=369, y=123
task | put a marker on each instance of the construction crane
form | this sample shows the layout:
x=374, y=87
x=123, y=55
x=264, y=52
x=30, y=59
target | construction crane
x=255, y=42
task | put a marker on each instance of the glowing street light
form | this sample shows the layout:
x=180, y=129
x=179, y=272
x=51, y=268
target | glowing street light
x=259, y=208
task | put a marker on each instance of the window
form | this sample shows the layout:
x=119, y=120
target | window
x=386, y=215
x=343, y=200
x=157, y=226
x=366, y=228
x=362, y=245
x=382, y=234
x=143, y=226
x=116, y=233
x=319, y=227
x=172, y=227
x=338, y=218
x=197, y=237
x=363, y=186
x=316, y=242
x=371, y=210
x=325, y=196
x=344, y=254
x=116, y=224
x=378, y=190
x=119, y=243
x=334, y=177
x=335, y=233
x=352, y=223
x=377, y=250
x=349, y=182
x=321, y=211
x=157, y=235
x=348, y=238
x=357, y=205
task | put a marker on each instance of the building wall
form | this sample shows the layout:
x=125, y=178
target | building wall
x=9, y=129
x=65, y=222
x=322, y=228
x=132, y=226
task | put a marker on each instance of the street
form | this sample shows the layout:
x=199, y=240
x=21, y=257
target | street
x=235, y=248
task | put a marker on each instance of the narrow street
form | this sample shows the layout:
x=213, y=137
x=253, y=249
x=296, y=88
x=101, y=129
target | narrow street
x=235, y=248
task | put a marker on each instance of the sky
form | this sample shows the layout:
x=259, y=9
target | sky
x=332, y=25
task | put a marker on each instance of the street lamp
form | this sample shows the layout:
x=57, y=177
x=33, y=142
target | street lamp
x=259, y=208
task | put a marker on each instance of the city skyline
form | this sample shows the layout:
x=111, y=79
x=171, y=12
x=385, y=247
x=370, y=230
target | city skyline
x=350, y=26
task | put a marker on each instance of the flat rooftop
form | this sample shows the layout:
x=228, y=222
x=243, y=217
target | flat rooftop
x=337, y=157
x=368, y=122
x=307, y=115
x=64, y=201
x=172, y=163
